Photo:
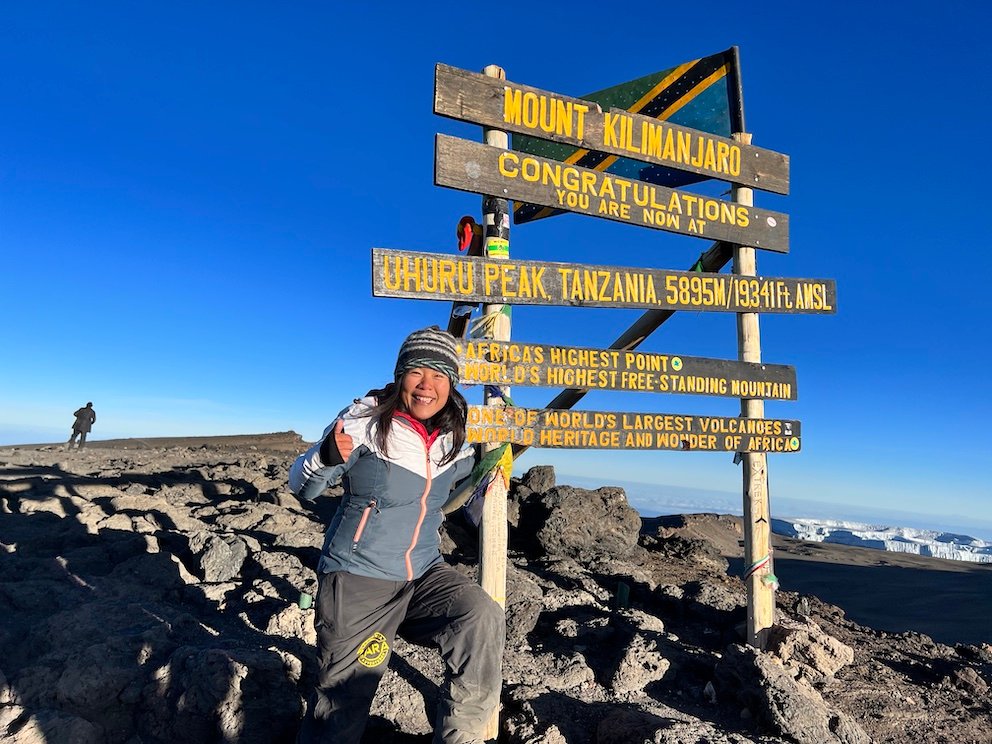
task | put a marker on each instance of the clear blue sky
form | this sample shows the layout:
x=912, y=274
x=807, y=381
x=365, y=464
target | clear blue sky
x=189, y=193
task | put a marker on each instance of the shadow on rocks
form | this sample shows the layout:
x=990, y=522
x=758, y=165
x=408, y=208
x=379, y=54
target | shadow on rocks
x=117, y=623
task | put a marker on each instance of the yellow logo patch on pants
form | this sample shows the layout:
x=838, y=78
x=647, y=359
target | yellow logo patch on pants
x=373, y=650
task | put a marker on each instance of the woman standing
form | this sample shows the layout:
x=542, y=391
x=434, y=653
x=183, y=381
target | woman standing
x=399, y=453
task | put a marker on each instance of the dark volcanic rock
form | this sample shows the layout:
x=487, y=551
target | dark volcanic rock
x=524, y=605
x=152, y=594
x=790, y=707
x=641, y=665
x=581, y=524
x=815, y=655
x=625, y=726
x=221, y=556
x=539, y=479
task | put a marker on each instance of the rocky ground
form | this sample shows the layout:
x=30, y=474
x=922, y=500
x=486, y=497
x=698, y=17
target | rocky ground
x=149, y=592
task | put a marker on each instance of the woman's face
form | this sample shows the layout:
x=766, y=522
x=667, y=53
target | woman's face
x=424, y=392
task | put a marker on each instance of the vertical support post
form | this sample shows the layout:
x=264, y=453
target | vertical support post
x=757, y=532
x=496, y=319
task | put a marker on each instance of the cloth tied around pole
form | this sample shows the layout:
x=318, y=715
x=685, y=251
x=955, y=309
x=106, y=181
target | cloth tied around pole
x=491, y=471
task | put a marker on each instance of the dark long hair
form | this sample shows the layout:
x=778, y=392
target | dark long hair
x=451, y=418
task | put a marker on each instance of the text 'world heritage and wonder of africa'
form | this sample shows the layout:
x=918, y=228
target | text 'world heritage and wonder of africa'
x=569, y=429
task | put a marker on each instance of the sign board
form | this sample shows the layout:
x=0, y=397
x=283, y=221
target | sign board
x=512, y=363
x=469, y=96
x=568, y=429
x=431, y=276
x=704, y=94
x=483, y=169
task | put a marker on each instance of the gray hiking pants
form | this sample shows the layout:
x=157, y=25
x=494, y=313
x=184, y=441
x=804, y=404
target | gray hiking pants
x=358, y=619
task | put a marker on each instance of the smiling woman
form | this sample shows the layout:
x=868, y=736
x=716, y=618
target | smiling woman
x=424, y=392
x=381, y=571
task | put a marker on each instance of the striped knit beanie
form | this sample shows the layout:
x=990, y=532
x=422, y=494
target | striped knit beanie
x=429, y=347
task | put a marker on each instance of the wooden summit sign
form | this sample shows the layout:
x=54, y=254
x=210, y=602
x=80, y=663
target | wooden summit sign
x=563, y=428
x=571, y=155
x=469, y=96
x=512, y=363
x=472, y=279
x=483, y=169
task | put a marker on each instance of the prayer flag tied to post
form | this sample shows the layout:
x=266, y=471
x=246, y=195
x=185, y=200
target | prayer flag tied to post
x=491, y=472
x=703, y=94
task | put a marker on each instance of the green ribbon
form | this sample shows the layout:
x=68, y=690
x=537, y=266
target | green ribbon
x=488, y=463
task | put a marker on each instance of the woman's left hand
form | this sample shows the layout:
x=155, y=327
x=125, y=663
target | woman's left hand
x=344, y=442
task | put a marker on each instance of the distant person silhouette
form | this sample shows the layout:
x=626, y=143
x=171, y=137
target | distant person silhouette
x=85, y=418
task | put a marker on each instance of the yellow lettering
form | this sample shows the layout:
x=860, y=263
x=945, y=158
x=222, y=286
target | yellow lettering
x=563, y=118
x=530, y=169
x=610, y=136
x=530, y=110
x=606, y=189
x=683, y=146
x=547, y=115
x=506, y=277
x=580, y=125
x=510, y=171
x=723, y=157
x=511, y=105
x=642, y=199
x=669, y=152
x=735, y=161
x=523, y=285
x=537, y=281
x=651, y=138
x=570, y=179
x=697, y=159
x=490, y=275
x=709, y=158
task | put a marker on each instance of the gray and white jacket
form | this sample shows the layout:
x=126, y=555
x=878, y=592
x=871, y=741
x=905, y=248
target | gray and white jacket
x=387, y=525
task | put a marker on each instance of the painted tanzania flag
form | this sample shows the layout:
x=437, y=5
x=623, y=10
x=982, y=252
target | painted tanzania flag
x=703, y=94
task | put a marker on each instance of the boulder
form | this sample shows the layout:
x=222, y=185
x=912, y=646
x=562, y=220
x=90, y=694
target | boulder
x=788, y=707
x=19, y=725
x=640, y=665
x=216, y=694
x=221, y=556
x=628, y=726
x=814, y=655
x=524, y=604
x=539, y=479
x=576, y=523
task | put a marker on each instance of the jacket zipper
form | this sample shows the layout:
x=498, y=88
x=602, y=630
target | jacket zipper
x=423, y=513
x=361, y=524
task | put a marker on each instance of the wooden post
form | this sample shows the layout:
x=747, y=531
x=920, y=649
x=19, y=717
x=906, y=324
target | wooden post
x=757, y=532
x=496, y=319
